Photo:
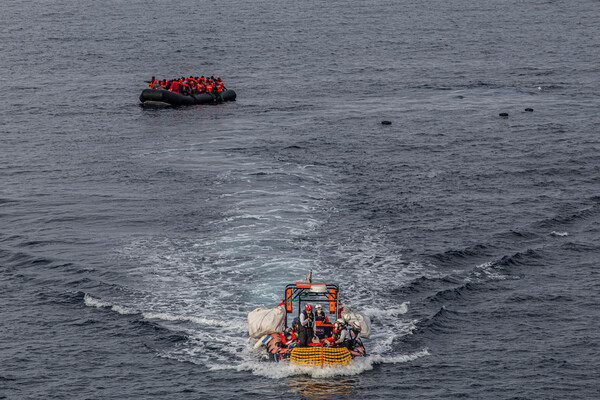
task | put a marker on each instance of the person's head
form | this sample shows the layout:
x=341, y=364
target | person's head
x=308, y=308
x=318, y=308
x=356, y=326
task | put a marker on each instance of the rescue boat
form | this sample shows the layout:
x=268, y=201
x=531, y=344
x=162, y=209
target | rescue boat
x=166, y=97
x=278, y=339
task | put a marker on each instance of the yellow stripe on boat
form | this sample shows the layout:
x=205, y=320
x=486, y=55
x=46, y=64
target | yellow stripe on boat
x=319, y=356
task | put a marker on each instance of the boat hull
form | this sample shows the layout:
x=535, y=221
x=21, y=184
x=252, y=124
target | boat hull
x=159, y=96
x=313, y=355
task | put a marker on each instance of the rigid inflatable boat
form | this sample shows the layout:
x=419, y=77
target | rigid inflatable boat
x=270, y=327
x=166, y=97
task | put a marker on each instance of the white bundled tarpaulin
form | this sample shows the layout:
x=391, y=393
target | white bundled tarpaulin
x=263, y=321
x=350, y=316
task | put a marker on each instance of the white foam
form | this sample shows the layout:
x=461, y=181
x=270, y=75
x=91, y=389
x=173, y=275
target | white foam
x=382, y=359
x=384, y=313
x=206, y=284
x=286, y=369
x=237, y=325
x=487, y=272
x=93, y=302
x=561, y=234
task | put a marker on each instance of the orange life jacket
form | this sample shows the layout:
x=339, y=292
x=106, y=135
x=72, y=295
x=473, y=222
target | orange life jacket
x=185, y=85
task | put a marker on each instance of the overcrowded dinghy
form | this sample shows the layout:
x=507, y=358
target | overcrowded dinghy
x=167, y=97
x=186, y=91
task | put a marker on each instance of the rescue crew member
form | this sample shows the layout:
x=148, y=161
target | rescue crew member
x=354, y=335
x=306, y=331
x=340, y=335
x=320, y=314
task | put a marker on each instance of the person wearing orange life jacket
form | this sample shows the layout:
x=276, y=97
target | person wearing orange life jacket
x=184, y=88
x=193, y=84
x=190, y=81
x=289, y=338
x=218, y=89
x=152, y=83
x=209, y=87
x=175, y=86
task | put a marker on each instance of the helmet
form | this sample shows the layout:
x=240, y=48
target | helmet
x=319, y=307
x=340, y=321
x=308, y=307
x=356, y=325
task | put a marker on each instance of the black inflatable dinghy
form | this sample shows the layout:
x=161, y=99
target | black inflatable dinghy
x=166, y=97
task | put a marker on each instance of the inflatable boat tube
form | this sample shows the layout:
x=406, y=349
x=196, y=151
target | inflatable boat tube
x=159, y=96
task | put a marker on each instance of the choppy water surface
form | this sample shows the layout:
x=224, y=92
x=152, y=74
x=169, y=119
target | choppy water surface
x=134, y=241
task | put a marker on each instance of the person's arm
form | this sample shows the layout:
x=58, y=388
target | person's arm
x=342, y=336
x=302, y=319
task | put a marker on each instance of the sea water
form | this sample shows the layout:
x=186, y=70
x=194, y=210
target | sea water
x=134, y=241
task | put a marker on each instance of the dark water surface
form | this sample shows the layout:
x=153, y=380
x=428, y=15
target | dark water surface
x=134, y=241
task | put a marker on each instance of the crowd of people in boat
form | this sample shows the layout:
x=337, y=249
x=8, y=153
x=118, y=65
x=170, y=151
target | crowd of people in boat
x=302, y=332
x=191, y=85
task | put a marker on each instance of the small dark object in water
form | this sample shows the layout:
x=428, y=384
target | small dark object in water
x=503, y=115
x=386, y=122
x=529, y=109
